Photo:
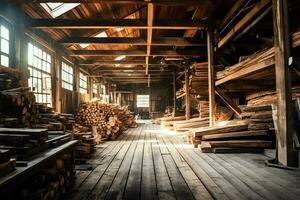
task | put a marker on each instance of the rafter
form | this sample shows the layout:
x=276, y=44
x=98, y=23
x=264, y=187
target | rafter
x=150, y=13
x=113, y=23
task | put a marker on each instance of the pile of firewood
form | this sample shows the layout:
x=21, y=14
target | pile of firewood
x=17, y=107
x=109, y=120
x=52, y=182
x=11, y=78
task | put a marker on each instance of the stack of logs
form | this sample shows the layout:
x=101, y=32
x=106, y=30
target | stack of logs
x=52, y=182
x=17, y=107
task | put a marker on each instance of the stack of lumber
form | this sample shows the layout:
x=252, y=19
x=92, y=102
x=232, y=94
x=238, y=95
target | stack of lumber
x=87, y=140
x=53, y=121
x=186, y=125
x=247, y=63
x=296, y=38
x=11, y=78
x=109, y=119
x=23, y=142
x=268, y=97
x=203, y=107
x=168, y=121
x=234, y=136
x=7, y=164
x=199, y=80
x=52, y=182
x=17, y=107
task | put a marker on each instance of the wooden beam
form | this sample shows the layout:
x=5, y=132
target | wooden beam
x=211, y=75
x=243, y=22
x=174, y=92
x=175, y=53
x=156, y=2
x=247, y=71
x=286, y=156
x=187, y=94
x=114, y=23
x=163, y=41
x=228, y=101
x=150, y=13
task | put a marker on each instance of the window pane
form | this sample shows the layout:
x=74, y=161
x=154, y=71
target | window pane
x=4, y=33
x=4, y=46
x=4, y=60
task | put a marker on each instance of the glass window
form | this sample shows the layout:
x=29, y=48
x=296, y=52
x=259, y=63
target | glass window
x=67, y=76
x=82, y=83
x=40, y=74
x=142, y=101
x=95, y=88
x=4, y=46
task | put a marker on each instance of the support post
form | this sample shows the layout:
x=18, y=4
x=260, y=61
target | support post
x=187, y=94
x=211, y=74
x=174, y=93
x=286, y=156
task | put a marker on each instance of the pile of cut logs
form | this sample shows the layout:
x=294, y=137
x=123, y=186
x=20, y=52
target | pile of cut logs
x=17, y=107
x=109, y=120
x=52, y=182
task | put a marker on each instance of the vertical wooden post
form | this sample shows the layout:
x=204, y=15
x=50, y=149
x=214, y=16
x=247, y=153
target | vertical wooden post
x=174, y=92
x=211, y=74
x=187, y=94
x=283, y=83
x=57, y=83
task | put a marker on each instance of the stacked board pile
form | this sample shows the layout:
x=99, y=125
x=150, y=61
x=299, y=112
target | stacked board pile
x=7, y=164
x=52, y=182
x=17, y=107
x=109, y=119
x=53, y=121
x=23, y=142
x=199, y=80
x=232, y=137
x=11, y=78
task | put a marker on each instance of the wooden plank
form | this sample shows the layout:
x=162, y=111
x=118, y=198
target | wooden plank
x=133, y=185
x=150, y=13
x=286, y=156
x=243, y=22
x=236, y=143
x=159, y=41
x=148, y=184
x=176, y=53
x=211, y=74
x=228, y=101
x=112, y=23
x=235, y=135
x=247, y=71
x=163, y=183
x=195, y=185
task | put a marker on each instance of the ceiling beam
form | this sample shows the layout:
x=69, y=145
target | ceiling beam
x=156, y=2
x=160, y=41
x=174, y=53
x=115, y=62
x=243, y=22
x=114, y=23
x=150, y=13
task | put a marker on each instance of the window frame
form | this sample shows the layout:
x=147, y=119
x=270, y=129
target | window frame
x=67, y=76
x=83, y=89
x=40, y=68
x=8, y=55
x=141, y=103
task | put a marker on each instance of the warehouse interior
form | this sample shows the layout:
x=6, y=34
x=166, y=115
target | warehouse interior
x=149, y=99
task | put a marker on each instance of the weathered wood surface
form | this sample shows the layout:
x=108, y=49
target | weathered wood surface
x=173, y=170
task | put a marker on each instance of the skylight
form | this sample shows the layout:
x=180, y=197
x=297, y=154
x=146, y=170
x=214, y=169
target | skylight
x=99, y=35
x=119, y=29
x=57, y=9
x=120, y=57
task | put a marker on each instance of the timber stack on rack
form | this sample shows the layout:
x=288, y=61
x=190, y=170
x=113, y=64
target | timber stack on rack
x=7, y=164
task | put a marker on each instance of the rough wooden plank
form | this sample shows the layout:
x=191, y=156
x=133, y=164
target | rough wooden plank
x=235, y=135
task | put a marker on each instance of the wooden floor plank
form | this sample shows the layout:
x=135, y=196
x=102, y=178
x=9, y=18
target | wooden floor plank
x=197, y=188
x=118, y=186
x=133, y=185
x=164, y=187
x=103, y=185
x=148, y=185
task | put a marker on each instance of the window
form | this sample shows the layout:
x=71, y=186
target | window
x=39, y=65
x=142, y=101
x=67, y=76
x=4, y=46
x=57, y=9
x=82, y=83
x=95, y=88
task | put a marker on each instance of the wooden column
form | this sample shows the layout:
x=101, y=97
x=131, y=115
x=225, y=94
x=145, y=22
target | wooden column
x=57, y=83
x=174, y=92
x=211, y=75
x=187, y=94
x=283, y=83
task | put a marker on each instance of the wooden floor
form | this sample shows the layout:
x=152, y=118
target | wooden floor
x=151, y=163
